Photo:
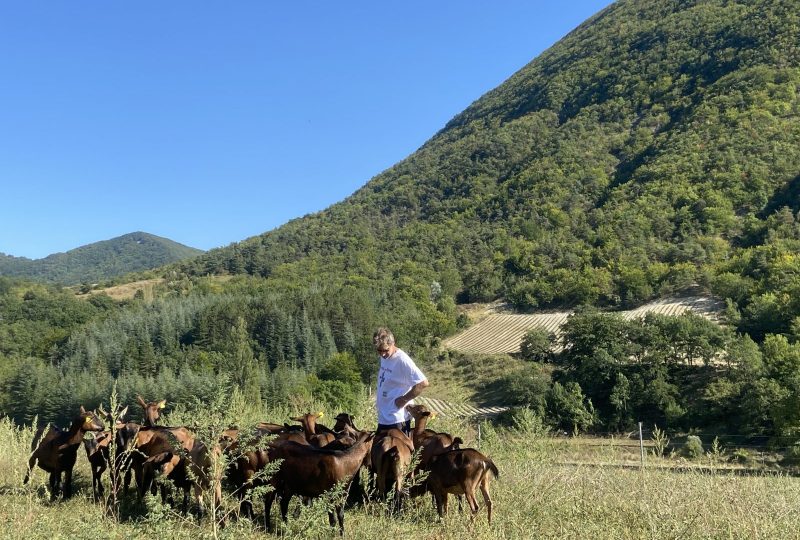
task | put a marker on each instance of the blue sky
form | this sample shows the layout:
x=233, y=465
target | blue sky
x=210, y=122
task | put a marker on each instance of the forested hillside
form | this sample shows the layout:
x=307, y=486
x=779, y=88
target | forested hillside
x=95, y=262
x=652, y=150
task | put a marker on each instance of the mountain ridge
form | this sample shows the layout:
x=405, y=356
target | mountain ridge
x=105, y=259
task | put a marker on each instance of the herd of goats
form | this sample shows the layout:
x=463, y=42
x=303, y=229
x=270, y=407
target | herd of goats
x=310, y=459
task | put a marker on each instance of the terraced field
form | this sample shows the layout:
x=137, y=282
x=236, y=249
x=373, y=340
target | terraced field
x=503, y=332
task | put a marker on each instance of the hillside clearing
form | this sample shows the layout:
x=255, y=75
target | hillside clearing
x=498, y=331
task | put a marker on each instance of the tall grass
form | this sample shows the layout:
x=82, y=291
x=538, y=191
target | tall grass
x=537, y=495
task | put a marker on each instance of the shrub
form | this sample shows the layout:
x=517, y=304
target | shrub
x=523, y=420
x=536, y=345
x=693, y=447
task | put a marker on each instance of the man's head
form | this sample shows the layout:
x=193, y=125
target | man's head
x=384, y=342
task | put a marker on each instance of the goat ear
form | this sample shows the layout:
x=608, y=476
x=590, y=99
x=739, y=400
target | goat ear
x=140, y=401
x=320, y=414
x=162, y=403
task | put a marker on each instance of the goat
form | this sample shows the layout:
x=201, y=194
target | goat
x=313, y=436
x=97, y=454
x=58, y=450
x=149, y=442
x=432, y=442
x=459, y=472
x=97, y=449
x=309, y=472
x=343, y=420
x=151, y=410
x=390, y=457
x=183, y=471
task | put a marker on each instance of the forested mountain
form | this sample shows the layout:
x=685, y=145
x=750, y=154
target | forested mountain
x=91, y=263
x=652, y=148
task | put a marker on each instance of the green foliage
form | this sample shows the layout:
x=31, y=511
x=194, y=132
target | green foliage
x=99, y=261
x=536, y=345
x=693, y=447
x=568, y=407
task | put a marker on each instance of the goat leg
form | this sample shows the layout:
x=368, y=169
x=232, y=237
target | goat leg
x=67, y=487
x=269, y=498
x=340, y=518
x=486, y=498
x=55, y=486
x=285, y=498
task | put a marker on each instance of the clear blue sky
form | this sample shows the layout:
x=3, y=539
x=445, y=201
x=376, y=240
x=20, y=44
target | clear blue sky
x=210, y=122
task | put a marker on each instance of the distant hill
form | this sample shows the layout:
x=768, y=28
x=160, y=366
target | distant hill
x=132, y=252
x=653, y=148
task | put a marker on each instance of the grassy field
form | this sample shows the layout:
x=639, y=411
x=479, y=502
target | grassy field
x=545, y=490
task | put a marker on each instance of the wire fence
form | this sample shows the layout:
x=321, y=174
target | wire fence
x=734, y=452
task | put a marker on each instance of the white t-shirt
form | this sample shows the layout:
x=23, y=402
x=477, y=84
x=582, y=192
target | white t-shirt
x=397, y=374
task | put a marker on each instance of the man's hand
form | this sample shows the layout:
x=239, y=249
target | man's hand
x=411, y=394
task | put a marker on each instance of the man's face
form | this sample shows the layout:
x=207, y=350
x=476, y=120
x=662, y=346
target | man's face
x=384, y=350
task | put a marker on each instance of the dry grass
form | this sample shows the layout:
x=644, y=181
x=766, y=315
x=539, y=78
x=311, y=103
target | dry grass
x=126, y=291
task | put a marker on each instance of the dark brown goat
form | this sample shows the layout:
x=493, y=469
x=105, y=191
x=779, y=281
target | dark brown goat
x=309, y=472
x=58, y=450
x=315, y=437
x=460, y=472
x=152, y=410
x=97, y=448
x=98, y=454
x=248, y=457
x=343, y=420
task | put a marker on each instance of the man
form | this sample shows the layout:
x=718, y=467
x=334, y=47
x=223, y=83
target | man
x=399, y=382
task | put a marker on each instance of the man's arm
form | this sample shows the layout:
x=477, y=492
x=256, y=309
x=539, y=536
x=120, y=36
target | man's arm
x=411, y=394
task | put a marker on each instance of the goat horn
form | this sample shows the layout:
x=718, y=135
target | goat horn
x=141, y=401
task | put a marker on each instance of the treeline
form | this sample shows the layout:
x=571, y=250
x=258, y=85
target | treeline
x=274, y=344
x=678, y=373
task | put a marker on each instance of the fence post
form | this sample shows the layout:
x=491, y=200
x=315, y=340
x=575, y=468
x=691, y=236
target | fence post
x=479, y=435
x=641, y=444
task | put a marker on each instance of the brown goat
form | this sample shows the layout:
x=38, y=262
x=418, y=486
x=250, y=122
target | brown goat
x=248, y=457
x=183, y=471
x=390, y=457
x=315, y=437
x=460, y=472
x=58, y=450
x=151, y=410
x=150, y=442
x=98, y=455
x=432, y=442
x=309, y=472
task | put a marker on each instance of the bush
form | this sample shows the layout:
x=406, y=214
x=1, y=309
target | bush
x=743, y=456
x=693, y=447
x=536, y=345
x=522, y=419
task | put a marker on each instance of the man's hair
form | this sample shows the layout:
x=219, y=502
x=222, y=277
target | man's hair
x=383, y=338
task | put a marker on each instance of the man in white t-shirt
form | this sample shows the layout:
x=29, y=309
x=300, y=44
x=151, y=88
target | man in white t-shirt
x=399, y=382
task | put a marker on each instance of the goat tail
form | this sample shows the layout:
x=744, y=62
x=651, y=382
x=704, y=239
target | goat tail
x=492, y=467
